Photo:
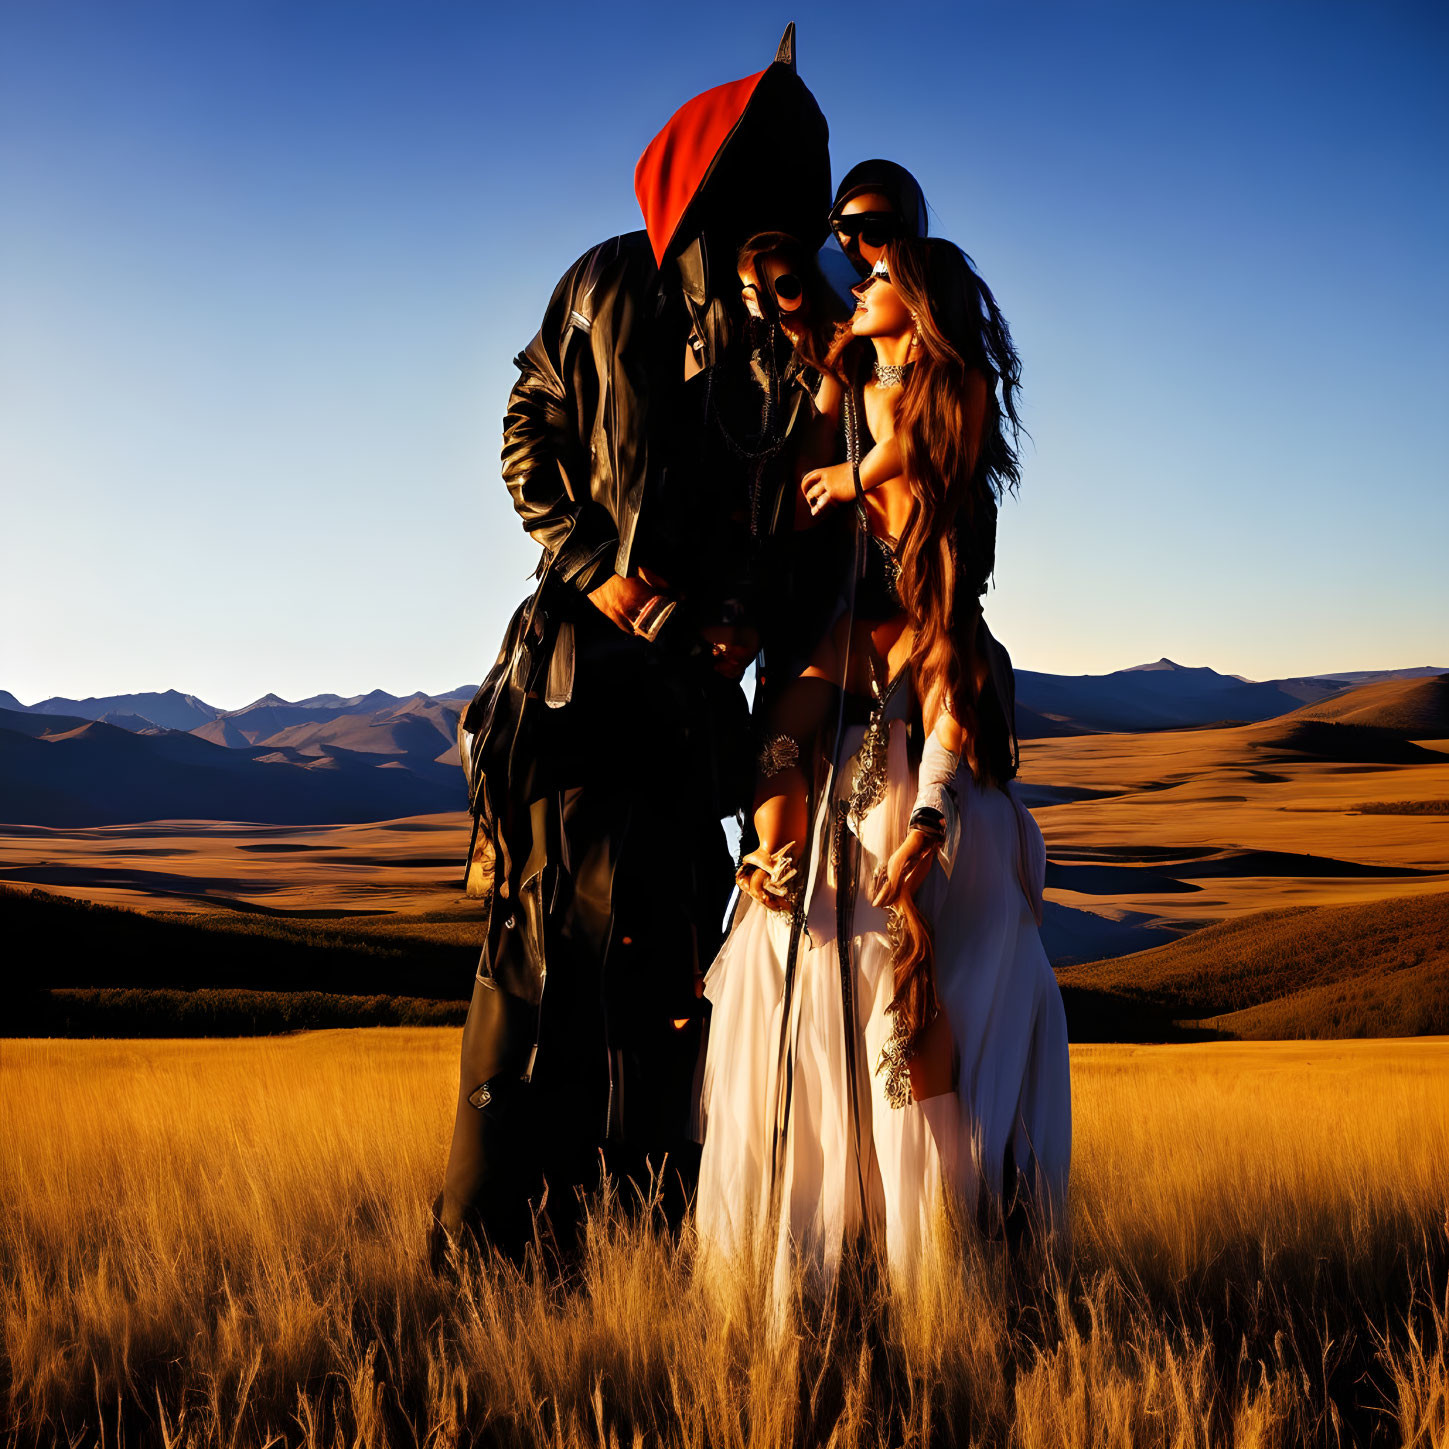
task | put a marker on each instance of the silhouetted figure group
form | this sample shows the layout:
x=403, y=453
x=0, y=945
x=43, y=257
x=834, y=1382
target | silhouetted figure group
x=732, y=463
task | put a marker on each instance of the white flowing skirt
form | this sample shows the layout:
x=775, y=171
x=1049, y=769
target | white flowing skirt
x=778, y=1091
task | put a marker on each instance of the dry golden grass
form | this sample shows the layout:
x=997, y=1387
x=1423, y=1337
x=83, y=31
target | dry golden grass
x=221, y=1242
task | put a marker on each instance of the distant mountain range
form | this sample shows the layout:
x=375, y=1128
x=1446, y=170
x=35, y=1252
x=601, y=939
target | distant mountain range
x=376, y=756
x=272, y=762
x=1164, y=695
x=1167, y=695
x=172, y=710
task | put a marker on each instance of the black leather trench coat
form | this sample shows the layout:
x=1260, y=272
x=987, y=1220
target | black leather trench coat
x=600, y=417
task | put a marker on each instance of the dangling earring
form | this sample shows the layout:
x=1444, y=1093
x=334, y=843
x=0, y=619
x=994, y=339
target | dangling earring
x=915, y=332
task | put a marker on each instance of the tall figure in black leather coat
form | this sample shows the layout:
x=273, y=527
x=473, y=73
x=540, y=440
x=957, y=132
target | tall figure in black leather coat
x=613, y=735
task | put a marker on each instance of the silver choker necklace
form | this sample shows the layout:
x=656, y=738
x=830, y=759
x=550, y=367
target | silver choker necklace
x=890, y=374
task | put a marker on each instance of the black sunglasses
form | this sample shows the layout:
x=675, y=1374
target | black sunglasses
x=787, y=287
x=873, y=228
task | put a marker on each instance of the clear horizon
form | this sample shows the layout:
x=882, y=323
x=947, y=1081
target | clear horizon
x=402, y=693
x=263, y=269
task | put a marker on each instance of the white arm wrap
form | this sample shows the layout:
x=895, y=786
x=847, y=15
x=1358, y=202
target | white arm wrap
x=936, y=790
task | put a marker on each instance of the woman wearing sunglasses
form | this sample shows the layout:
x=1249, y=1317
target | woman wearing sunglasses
x=886, y=1027
x=877, y=202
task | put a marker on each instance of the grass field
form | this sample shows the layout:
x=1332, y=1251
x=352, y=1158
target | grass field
x=221, y=1242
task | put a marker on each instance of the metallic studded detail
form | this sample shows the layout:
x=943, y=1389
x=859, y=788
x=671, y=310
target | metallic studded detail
x=895, y=929
x=892, y=568
x=480, y=1097
x=779, y=753
x=868, y=783
x=891, y=374
x=895, y=1065
x=895, y=1057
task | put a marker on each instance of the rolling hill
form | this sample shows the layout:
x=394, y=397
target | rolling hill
x=417, y=727
x=1372, y=724
x=374, y=756
x=1338, y=740
x=273, y=720
x=1415, y=708
x=1159, y=695
x=263, y=718
x=1166, y=695
x=1163, y=695
x=1379, y=969
x=358, y=703
x=89, y=773
x=109, y=971
x=1374, y=676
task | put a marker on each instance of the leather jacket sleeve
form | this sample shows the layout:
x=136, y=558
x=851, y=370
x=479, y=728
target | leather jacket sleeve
x=561, y=435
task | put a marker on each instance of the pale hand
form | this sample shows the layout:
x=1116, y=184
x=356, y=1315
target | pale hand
x=824, y=486
x=903, y=873
x=769, y=880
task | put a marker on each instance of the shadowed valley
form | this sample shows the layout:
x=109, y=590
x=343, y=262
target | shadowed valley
x=1284, y=876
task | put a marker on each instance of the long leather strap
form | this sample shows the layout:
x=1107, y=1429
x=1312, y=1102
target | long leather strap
x=785, y=1053
x=847, y=854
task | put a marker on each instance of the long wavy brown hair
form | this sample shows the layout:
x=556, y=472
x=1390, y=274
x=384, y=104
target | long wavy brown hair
x=957, y=472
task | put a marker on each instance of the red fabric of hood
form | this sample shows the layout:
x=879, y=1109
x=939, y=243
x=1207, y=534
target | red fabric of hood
x=677, y=160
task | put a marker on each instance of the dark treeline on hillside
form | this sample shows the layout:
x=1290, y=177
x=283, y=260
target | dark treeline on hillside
x=76, y=958
x=125, y=1011
x=1380, y=968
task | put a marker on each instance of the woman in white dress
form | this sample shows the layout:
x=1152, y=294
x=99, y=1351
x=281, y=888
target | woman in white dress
x=886, y=1028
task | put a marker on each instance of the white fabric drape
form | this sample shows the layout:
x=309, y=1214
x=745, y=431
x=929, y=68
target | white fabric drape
x=1005, y=1011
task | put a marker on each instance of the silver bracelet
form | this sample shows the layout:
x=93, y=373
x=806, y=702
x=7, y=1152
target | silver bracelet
x=929, y=821
x=779, y=753
x=650, y=619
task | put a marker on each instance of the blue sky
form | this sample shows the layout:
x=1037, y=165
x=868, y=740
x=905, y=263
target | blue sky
x=264, y=267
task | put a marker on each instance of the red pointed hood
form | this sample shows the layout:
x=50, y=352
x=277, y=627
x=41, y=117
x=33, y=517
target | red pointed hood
x=749, y=154
x=677, y=160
